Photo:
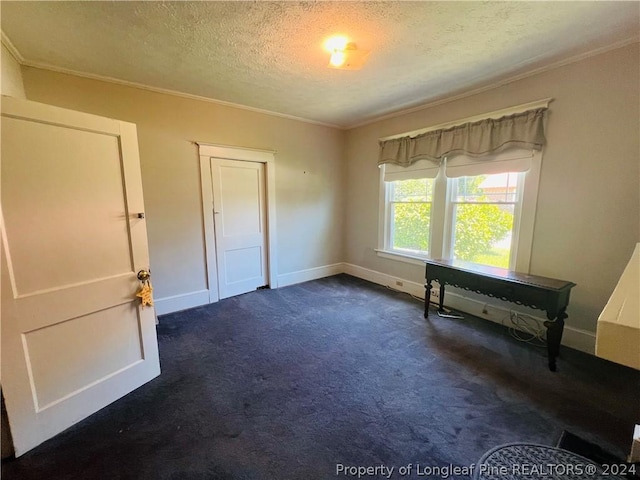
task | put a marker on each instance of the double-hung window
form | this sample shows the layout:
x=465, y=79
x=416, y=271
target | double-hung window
x=484, y=218
x=478, y=208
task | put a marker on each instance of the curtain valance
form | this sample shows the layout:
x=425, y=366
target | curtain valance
x=474, y=139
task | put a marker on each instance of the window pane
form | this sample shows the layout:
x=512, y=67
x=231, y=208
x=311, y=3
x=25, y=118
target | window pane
x=483, y=233
x=415, y=190
x=411, y=222
x=501, y=187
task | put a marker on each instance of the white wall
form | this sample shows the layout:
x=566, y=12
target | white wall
x=309, y=174
x=587, y=221
x=11, y=80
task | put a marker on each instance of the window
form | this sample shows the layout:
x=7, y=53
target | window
x=464, y=190
x=409, y=215
x=484, y=213
x=484, y=218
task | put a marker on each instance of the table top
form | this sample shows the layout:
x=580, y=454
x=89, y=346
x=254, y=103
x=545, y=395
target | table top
x=503, y=274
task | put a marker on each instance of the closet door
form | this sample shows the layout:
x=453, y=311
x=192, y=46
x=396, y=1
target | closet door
x=239, y=219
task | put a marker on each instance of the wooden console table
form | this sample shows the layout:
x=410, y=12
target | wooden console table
x=540, y=293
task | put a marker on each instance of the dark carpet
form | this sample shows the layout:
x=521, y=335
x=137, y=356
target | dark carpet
x=289, y=383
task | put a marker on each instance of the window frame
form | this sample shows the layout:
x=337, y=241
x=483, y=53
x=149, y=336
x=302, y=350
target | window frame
x=441, y=227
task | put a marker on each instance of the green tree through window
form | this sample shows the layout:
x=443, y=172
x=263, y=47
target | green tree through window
x=411, y=214
x=481, y=220
x=480, y=225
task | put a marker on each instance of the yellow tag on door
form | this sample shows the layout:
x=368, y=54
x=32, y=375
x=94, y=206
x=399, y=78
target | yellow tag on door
x=145, y=294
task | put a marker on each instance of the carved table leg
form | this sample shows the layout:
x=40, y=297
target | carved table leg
x=441, y=306
x=427, y=297
x=554, y=337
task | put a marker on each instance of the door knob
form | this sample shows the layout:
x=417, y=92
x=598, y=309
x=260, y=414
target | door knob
x=145, y=293
x=144, y=275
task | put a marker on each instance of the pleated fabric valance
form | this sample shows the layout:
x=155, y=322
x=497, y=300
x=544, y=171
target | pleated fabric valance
x=474, y=139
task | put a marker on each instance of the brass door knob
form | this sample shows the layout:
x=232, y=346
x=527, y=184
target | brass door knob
x=144, y=275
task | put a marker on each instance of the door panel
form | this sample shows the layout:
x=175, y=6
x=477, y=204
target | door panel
x=84, y=207
x=239, y=220
x=240, y=189
x=74, y=336
x=104, y=343
x=243, y=263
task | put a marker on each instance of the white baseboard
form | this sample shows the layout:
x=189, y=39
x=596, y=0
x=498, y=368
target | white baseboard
x=176, y=303
x=579, y=339
x=309, y=274
x=201, y=297
x=576, y=338
x=498, y=311
x=396, y=283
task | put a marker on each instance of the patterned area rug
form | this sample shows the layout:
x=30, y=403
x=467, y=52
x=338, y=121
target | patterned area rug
x=530, y=461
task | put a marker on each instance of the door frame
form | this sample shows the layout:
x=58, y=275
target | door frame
x=267, y=157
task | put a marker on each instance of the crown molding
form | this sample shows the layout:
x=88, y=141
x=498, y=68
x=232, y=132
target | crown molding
x=103, y=78
x=11, y=47
x=500, y=83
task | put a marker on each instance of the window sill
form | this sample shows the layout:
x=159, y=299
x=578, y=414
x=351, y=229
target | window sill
x=401, y=257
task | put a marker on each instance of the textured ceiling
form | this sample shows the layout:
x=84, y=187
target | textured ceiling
x=269, y=55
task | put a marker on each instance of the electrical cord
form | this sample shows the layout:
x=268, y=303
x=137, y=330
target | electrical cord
x=420, y=299
x=523, y=328
x=415, y=297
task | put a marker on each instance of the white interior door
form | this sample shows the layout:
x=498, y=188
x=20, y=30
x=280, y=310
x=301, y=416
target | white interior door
x=74, y=336
x=239, y=224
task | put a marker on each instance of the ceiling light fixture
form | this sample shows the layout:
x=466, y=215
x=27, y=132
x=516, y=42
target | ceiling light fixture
x=344, y=54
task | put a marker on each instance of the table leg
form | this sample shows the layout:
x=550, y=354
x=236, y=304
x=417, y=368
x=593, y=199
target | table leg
x=427, y=297
x=554, y=337
x=441, y=306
